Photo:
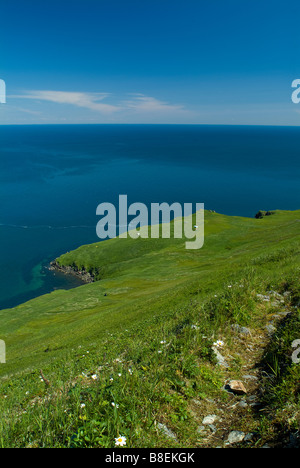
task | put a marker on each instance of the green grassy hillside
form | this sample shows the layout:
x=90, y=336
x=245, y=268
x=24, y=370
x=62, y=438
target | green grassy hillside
x=152, y=316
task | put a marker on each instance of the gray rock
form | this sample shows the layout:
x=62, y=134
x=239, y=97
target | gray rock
x=166, y=431
x=210, y=419
x=201, y=429
x=270, y=329
x=263, y=297
x=275, y=294
x=241, y=330
x=235, y=437
x=221, y=360
x=249, y=437
x=250, y=377
x=252, y=398
x=286, y=293
x=243, y=404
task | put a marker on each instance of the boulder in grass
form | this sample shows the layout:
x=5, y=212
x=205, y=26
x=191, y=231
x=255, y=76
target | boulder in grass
x=237, y=387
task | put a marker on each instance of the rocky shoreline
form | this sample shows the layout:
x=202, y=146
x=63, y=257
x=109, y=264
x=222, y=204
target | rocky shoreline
x=84, y=275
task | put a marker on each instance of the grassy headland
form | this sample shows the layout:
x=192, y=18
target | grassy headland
x=133, y=353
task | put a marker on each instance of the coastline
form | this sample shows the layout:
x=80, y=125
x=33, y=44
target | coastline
x=83, y=275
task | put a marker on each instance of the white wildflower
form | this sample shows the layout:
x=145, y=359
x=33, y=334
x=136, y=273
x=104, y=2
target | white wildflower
x=121, y=441
x=219, y=344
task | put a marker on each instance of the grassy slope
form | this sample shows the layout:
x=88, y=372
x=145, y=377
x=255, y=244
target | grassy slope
x=149, y=284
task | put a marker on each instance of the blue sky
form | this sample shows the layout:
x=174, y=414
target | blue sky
x=142, y=61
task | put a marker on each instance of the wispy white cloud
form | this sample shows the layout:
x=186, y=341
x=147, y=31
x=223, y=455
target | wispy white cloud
x=90, y=101
x=143, y=103
x=102, y=107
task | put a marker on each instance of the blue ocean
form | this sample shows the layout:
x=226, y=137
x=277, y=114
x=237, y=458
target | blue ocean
x=54, y=177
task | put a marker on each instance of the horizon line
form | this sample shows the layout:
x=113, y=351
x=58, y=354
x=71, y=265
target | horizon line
x=141, y=123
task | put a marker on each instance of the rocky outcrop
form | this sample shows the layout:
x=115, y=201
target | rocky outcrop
x=261, y=214
x=84, y=275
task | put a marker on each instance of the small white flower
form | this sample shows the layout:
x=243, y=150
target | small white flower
x=162, y=342
x=120, y=375
x=159, y=351
x=82, y=405
x=115, y=405
x=94, y=377
x=121, y=441
x=219, y=344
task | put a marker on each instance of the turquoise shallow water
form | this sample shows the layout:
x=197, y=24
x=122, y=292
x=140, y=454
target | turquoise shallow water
x=52, y=179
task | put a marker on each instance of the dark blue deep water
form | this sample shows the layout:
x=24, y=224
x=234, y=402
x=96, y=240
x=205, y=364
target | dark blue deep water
x=53, y=177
